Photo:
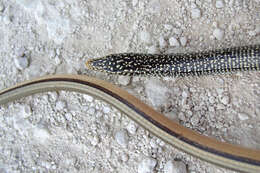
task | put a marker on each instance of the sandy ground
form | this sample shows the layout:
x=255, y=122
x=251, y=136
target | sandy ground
x=71, y=132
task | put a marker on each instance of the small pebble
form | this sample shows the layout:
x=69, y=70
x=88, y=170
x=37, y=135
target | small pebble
x=91, y=111
x=220, y=106
x=173, y=116
x=21, y=52
x=211, y=109
x=189, y=113
x=193, y=5
x=68, y=116
x=243, y=116
x=41, y=135
x=2, y=7
x=108, y=153
x=7, y=20
x=124, y=157
x=175, y=167
x=174, y=42
x=131, y=128
x=21, y=62
x=177, y=31
x=218, y=34
x=153, y=49
x=211, y=100
x=156, y=92
x=121, y=137
x=123, y=80
x=184, y=94
x=147, y=165
x=94, y=140
x=134, y=2
x=225, y=100
x=25, y=111
x=153, y=143
x=195, y=13
x=257, y=29
x=53, y=96
x=251, y=33
x=88, y=98
x=46, y=164
x=162, y=42
x=145, y=37
x=183, y=41
x=254, y=32
x=215, y=24
x=106, y=109
x=220, y=4
x=60, y=105
x=194, y=120
x=168, y=27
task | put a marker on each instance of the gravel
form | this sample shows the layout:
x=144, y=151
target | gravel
x=71, y=132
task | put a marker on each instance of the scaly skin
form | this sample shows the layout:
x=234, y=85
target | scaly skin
x=210, y=62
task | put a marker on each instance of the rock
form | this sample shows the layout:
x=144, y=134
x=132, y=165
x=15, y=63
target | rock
x=195, y=13
x=243, y=116
x=147, y=165
x=121, y=137
x=220, y=106
x=88, y=98
x=153, y=143
x=174, y=42
x=7, y=20
x=183, y=41
x=2, y=7
x=175, y=167
x=60, y=105
x=177, y=31
x=106, y=109
x=124, y=157
x=92, y=111
x=185, y=94
x=21, y=62
x=68, y=116
x=194, y=120
x=108, y=153
x=131, y=128
x=134, y=2
x=254, y=32
x=156, y=92
x=168, y=26
x=193, y=5
x=218, y=34
x=173, y=116
x=220, y=4
x=145, y=37
x=41, y=135
x=162, y=42
x=211, y=100
x=24, y=111
x=123, y=80
x=95, y=140
x=153, y=49
x=225, y=100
